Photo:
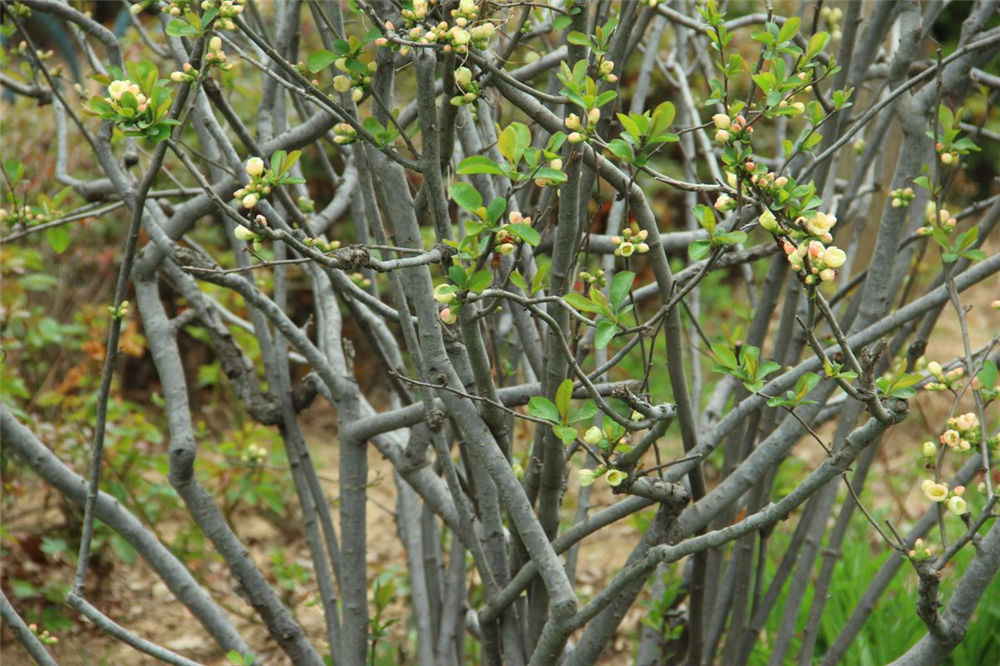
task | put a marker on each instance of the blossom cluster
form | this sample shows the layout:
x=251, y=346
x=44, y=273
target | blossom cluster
x=921, y=551
x=614, y=477
x=630, y=242
x=254, y=455
x=258, y=187
x=933, y=217
x=945, y=380
x=505, y=241
x=901, y=197
x=731, y=129
x=939, y=492
x=121, y=94
x=822, y=261
x=458, y=35
x=581, y=128
x=350, y=80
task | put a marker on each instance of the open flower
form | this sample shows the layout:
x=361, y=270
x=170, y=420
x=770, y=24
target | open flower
x=935, y=492
x=615, y=477
x=834, y=257
x=957, y=505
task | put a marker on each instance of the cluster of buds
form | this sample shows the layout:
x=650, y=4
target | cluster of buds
x=768, y=181
x=630, y=242
x=321, y=244
x=117, y=91
x=614, y=476
x=468, y=87
x=799, y=107
x=902, y=197
x=248, y=235
x=921, y=551
x=581, y=128
x=963, y=432
x=349, y=81
x=359, y=279
x=228, y=10
x=946, y=156
x=305, y=204
x=458, y=35
x=44, y=636
x=596, y=278
x=344, y=133
x=823, y=261
x=727, y=128
x=19, y=218
x=936, y=218
x=255, y=454
x=605, y=71
x=258, y=187
x=833, y=17
x=185, y=74
x=216, y=56
x=945, y=380
x=954, y=440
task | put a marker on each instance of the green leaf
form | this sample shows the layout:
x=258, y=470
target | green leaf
x=578, y=38
x=178, y=28
x=563, y=395
x=58, y=238
x=542, y=408
x=724, y=356
x=565, y=433
x=466, y=196
x=699, y=249
x=480, y=280
x=731, y=238
x=525, y=232
x=518, y=281
x=988, y=375
x=541, y=276
x=582, y=303
x=790, y=29
x=620, y=285
x=585, y=413
x=606, y=330
x=513, y=141
x=495, y=209
x=319, y=60
x=479, y=164
x=663, y=116
x=946, y=117
x=457, y=275
x=816, y=44
x=123, y=549
x=621, y=149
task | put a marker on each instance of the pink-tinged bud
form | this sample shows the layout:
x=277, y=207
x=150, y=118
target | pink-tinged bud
x=815, y=249
x=724, y=203
x=575, y=137
x=947, y=158
x=448, y=316
x=788, y=247
x=250, y=200
x=750, y=166
x=780, y=181
x=722, y=136
x=827, y=275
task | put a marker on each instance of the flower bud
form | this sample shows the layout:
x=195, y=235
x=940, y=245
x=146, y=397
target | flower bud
x=463, y=76
x=448, y=316
x=930, y=449
x=444, y=294
x=593, y=116
x=722, y=136
x=834, y=257
x=593, y=436
x=250, y=200
x=243, y=234
x=722, y=121
x=254, y=167
x=957, y=505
